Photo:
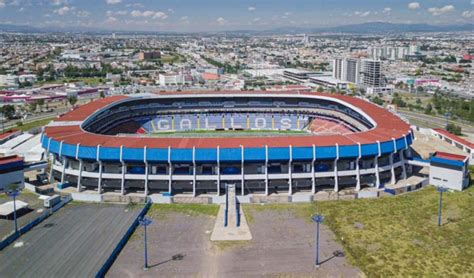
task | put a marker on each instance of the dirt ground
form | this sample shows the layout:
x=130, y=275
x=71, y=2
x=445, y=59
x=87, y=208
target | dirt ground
x=282, y=245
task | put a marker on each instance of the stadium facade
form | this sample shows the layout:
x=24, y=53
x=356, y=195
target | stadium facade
x=197, y=142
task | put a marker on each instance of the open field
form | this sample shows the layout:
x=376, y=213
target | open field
x=399, y=236
x=179, y=246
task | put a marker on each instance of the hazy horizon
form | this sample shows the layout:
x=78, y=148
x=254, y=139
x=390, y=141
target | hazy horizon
x=213, y=15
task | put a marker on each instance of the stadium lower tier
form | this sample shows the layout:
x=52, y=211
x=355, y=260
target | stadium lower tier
x=263, y=177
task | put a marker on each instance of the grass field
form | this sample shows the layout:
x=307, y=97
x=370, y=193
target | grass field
x=31, y=125
x=158, y=210
x=399, y=236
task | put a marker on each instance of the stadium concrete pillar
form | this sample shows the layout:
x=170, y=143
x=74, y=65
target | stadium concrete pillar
x=242, y=178
x=218, y=171
x=170, y=172
x=124, y=169
x=146, y=170
x=194, y=171
x=51, y=178
x=393, y=179
x=404, y=169
x=64, y=169
x=290, y=172
x=376, y=164
x=63, y=159
x=266, y=170
x=79, y=178
x=358, y=167
x=313, y=177
x=336, y=178
x=99, y=179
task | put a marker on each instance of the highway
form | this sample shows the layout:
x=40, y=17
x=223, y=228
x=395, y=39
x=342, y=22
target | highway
x=434, y=122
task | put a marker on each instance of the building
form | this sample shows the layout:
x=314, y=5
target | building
x=300, y=75
x=149, y=55
x=170, y=79
x=347, y=69
x=371, y=73
x=123, y=151
x=11, y=171
x=461, y=143
x=8, y=80
x=330, y=82
x=449, y=170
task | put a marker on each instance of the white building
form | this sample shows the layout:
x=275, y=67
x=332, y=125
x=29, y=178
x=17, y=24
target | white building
x=8, y=80
x=347, y=69
x=167, y=79
x=449, y=170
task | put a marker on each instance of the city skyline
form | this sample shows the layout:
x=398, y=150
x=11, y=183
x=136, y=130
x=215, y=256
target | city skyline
x=212, y=15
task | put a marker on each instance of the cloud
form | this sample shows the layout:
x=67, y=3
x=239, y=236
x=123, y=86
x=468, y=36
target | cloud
x=362, y=14
x=184, y=20
x=439, y=11
x=387, y=10
x=2, y=4
x=111, y=19
x=115, y=13
x=58, y=2
x=82, y=13
x=414, y=5
x=221, y=21
x=62, y=11
x=251, y=8
x=150, y=14
x=135, y=5
x=113, y=2
x=468, y=14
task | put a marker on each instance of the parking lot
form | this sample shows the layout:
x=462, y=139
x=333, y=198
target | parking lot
x=73, y=242
x=282, y=245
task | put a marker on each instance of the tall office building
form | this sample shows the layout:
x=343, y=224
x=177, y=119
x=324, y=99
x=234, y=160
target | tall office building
x=371, y=73
x=346, y=69
x=337, y=68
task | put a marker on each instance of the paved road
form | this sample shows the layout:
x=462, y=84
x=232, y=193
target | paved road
x=432, y=121
x=74, y=242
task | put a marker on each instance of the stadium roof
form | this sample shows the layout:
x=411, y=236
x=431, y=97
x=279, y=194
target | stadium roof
x=388, y=126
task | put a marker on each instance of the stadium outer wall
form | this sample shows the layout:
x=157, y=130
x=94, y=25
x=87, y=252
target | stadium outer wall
x=198, y=165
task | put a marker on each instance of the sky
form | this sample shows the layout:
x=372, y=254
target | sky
x=220, y=15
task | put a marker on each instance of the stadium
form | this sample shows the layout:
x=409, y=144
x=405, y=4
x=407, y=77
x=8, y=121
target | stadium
x=198, y=142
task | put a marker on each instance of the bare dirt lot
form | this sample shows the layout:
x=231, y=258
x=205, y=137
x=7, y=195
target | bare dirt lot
x=282, y=245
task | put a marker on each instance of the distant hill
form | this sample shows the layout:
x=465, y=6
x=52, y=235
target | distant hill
x=378, y=27
x=362, y=28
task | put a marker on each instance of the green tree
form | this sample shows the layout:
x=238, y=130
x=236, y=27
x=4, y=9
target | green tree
x=72, y=100
x=8, y=111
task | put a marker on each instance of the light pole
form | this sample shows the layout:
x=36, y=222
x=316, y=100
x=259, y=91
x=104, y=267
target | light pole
x=318, y=218
x=440, y=190
x=13, y=193
x=145, y=222
x=447, y=115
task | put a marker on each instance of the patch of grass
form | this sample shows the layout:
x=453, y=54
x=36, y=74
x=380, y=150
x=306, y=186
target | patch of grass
x=34, y=124
x=188, y=209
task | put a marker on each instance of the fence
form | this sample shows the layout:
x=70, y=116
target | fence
x=11, y=238
x=108, y=263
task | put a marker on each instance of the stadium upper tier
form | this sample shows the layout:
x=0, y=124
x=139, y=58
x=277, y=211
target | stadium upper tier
x=98, y=130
